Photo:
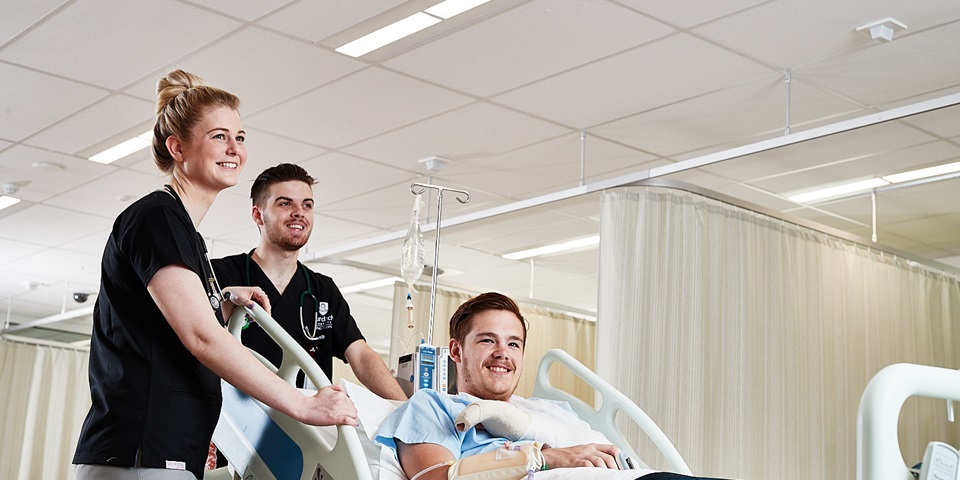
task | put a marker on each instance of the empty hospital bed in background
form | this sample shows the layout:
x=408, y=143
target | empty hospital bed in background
x=262, y=443
x=878, y=444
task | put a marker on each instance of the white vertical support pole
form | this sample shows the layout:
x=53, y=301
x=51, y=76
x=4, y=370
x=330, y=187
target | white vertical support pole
x=583, y=157
x=873, y=198
x=788, y=77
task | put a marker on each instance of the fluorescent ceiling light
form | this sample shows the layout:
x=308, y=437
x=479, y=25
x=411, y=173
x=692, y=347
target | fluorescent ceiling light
x=383, y=282
x=554, y=248
x=389, y=34
x=923, y=173
x=452, y=8
x=128, y=147
x=838, y=190
x=8, y=201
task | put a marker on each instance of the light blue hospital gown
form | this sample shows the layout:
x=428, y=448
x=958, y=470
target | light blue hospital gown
x=428, y=417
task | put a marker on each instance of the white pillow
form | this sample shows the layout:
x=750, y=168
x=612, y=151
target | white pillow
x=372, y=410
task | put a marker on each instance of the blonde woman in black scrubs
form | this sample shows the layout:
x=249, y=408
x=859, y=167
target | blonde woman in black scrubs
x=159, y=348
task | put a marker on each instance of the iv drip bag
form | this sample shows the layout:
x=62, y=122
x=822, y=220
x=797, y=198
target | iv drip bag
x=411, y=260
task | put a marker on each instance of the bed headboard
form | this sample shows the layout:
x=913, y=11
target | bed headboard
x=878, y=445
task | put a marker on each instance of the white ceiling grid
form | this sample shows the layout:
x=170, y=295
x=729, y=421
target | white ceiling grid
x=520, y=95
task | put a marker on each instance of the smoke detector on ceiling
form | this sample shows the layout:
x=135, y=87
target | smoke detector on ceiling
x=435, y=163
x=882, y=30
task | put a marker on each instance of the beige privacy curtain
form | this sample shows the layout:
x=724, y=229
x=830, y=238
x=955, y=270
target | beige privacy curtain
x=750, y=340
x=548, y=329
x=44, y=397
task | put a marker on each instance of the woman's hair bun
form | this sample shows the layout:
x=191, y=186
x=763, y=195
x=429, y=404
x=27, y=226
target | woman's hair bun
x=173, y=84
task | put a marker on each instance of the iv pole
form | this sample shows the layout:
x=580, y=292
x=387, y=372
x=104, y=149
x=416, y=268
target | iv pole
x=417, y=189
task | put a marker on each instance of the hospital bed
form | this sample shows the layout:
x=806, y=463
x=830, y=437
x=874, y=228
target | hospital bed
x=878, y=445
x=265, y=444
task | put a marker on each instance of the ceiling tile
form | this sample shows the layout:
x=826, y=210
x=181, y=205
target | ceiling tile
x=265, y=150
x=125, y=30
x=264, y=68
x=108, y=195
x=55, y=263
x=357, y=107
x=11, y=250
x=789, y=34
x=329, y=232
x=475, y=131
x=506, y=51
x=903, y=68
x=738, y=115
x=821, y=153
x=58, y=226
x=16, y=20
x=879, y=164
x=243, y=9
x=104, y=119
x=390, y=207
x=756, y=196
x=334, y=172
x=31, y=100
x=16, y=164
x=942, y=123
x=680, y=14
x=646, y=77
x=546, y=167
x=314, y=21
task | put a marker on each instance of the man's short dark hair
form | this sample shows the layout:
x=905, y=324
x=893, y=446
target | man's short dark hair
x=284, y=172
x=462, y=318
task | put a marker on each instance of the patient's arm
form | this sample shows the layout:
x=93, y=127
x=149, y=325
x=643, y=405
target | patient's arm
x=590, y=455
x=416, y=457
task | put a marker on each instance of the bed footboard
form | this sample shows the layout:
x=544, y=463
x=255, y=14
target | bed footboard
x=613, y=401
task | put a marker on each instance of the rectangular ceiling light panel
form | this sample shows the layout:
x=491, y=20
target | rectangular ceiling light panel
x=389, y=34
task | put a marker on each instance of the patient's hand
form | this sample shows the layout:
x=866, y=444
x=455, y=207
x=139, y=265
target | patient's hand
x=501, y=419
x=590, y=455
x=330, y=406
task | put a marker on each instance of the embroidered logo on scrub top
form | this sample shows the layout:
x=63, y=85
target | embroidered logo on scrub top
x=323, y=308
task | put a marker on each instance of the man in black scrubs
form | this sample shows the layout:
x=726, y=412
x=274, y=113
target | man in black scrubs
x=307, y=304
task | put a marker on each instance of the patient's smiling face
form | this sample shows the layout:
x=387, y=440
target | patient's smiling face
x=491, y=356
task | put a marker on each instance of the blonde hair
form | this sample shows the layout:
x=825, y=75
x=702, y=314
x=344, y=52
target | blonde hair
x=182, y=99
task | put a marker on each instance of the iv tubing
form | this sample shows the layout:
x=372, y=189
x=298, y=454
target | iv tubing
x=432, y=468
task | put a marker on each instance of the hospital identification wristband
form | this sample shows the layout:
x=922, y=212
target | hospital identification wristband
x=544, y=447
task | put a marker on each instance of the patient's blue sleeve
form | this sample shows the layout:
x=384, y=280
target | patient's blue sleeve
x=428, y=417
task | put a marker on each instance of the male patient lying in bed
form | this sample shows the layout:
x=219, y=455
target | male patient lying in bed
x=433, y=430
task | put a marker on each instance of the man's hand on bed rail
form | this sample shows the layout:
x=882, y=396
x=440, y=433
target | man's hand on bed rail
x=330, y=406
x=590, y=455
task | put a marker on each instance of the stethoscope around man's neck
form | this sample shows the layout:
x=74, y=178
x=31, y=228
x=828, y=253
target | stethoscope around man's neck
x=308, y=293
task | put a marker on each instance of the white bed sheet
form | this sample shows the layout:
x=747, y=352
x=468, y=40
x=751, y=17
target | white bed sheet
x=373, y=410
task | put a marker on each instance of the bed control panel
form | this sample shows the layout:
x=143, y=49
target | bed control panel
x=625, y=462
x=940, y=462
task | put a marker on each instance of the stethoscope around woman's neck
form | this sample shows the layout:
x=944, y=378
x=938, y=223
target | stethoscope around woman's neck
x=308, y=293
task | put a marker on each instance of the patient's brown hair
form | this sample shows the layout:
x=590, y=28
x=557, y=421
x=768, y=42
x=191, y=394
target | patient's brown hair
x=461, y=319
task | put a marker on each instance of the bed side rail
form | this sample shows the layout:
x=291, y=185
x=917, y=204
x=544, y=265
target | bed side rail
x=240, y=429
x=613, y=401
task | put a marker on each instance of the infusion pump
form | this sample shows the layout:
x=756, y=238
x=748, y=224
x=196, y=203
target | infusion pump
x=427, y=367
